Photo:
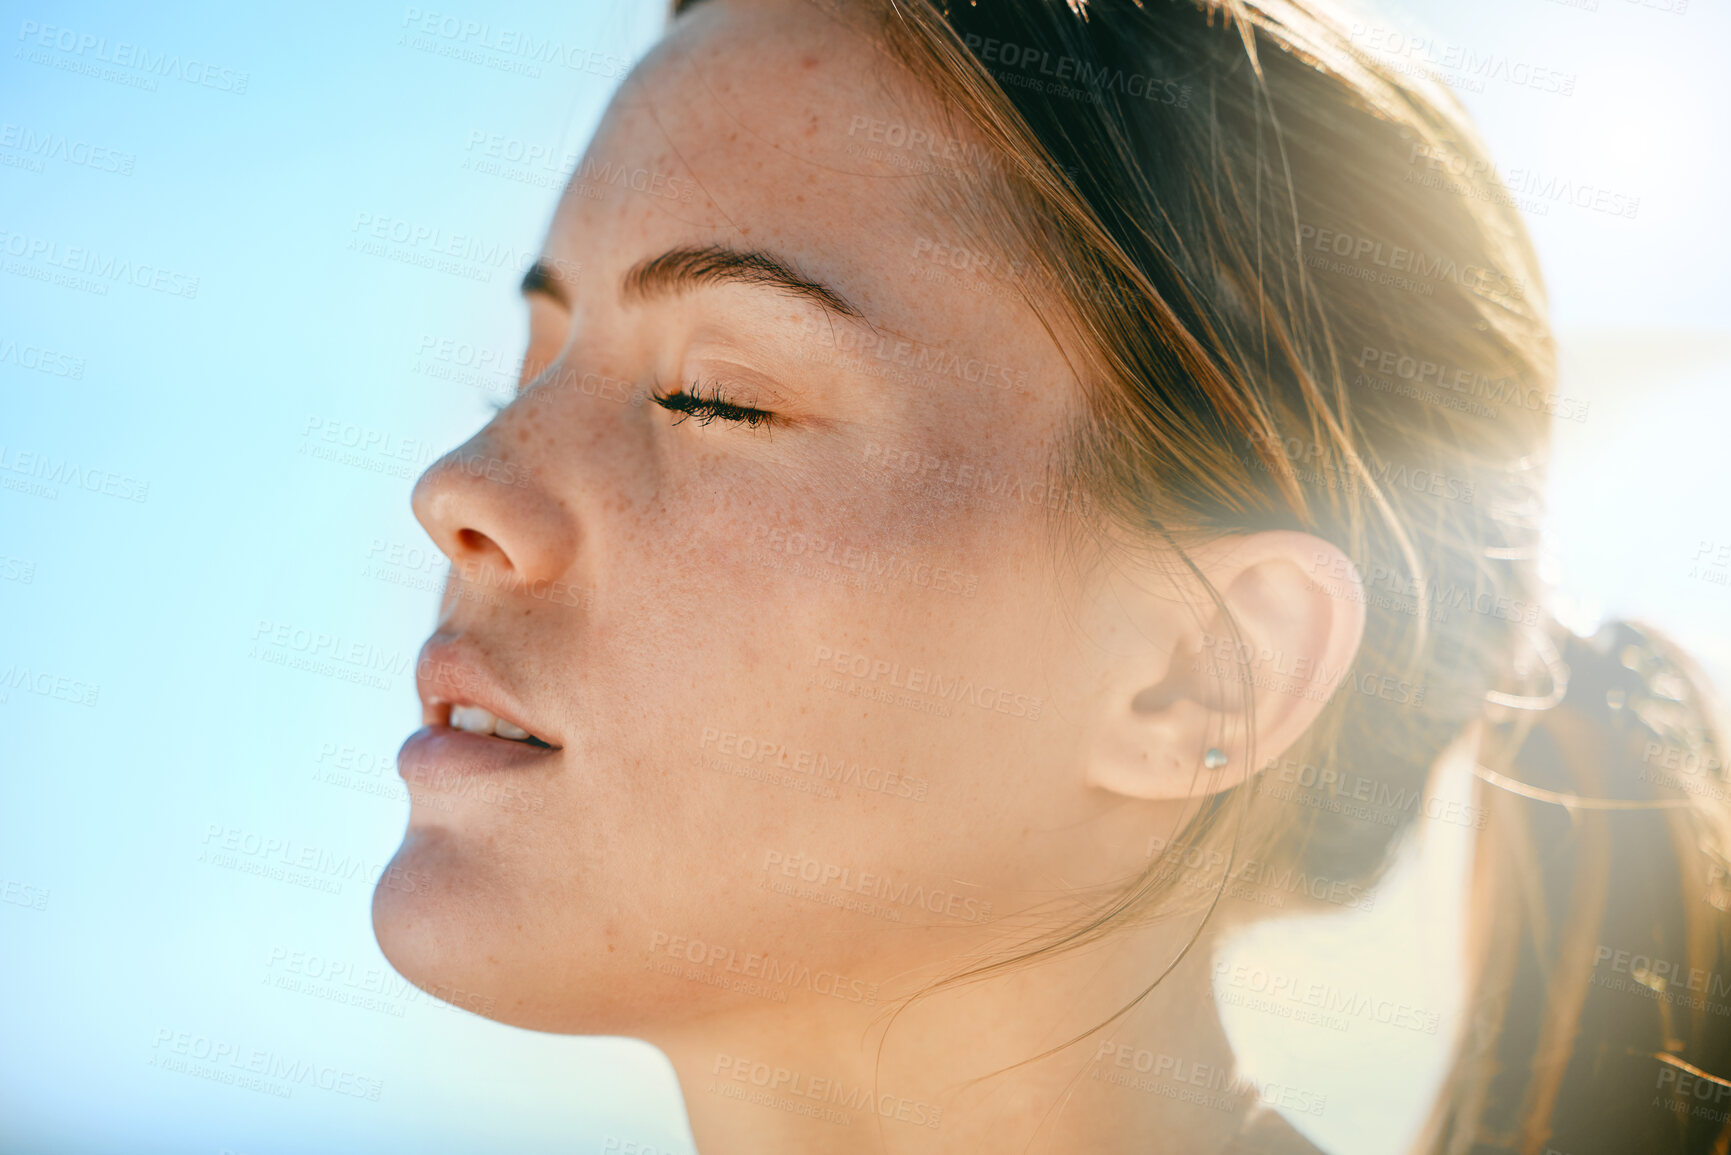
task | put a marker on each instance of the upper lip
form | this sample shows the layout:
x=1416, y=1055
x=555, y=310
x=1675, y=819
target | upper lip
x=451, y=673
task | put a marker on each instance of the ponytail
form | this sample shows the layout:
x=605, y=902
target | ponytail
x=1601, y=1017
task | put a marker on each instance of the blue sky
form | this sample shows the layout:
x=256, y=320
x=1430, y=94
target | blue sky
x=287, y=343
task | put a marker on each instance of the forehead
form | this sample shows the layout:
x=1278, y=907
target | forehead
x=766, y=124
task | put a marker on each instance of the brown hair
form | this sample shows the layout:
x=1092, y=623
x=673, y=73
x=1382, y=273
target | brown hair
x=1276, y=313
x=1282, y=320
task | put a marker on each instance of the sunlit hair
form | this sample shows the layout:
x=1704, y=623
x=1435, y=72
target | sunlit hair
x=1230, y=217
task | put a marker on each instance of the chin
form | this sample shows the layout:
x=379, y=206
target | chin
x=448, y=923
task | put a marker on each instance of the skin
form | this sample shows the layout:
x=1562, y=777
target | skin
x=553, y=899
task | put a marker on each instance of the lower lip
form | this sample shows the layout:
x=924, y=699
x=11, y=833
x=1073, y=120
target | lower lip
x=435, y=754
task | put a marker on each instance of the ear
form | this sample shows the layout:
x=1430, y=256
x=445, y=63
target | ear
x=1177, y=683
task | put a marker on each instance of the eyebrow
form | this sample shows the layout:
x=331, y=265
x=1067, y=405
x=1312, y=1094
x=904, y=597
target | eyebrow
x=540, y=279
x=693, y=266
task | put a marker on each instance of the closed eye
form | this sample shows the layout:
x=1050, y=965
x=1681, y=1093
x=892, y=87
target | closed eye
x=693, y=401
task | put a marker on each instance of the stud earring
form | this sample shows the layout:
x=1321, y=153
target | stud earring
x=1215, y=758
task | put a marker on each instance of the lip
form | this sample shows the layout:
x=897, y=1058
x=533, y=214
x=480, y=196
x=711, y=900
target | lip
x=450, y=673
x=435, y=755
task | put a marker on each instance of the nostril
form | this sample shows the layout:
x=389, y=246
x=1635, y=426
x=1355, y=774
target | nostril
x=487, y=524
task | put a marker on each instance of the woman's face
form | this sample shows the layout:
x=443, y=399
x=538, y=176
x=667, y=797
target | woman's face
x=811, y=680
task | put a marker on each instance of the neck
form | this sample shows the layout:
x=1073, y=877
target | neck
x=944, y=1073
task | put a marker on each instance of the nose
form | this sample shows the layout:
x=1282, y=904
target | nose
x=488, y=509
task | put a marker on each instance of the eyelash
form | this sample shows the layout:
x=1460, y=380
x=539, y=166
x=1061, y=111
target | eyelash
x=691, y=402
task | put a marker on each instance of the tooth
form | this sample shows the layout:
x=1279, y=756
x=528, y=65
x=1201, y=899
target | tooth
x=505, y=730
x=473, y=719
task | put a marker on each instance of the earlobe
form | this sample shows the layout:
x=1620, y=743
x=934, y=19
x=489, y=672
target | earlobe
x=1217, y=687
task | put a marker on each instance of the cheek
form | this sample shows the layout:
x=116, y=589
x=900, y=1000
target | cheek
x=795, y=746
